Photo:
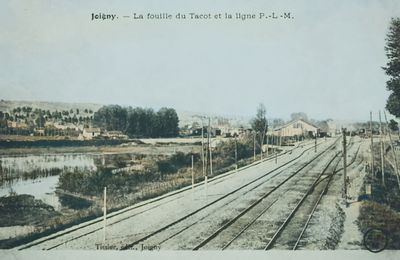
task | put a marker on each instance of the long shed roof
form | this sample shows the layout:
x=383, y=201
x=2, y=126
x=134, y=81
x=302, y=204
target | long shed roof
x=292, y=122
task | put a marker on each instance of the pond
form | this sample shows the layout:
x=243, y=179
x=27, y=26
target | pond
x=38, y=175
x=42, y=188
x=33, y=166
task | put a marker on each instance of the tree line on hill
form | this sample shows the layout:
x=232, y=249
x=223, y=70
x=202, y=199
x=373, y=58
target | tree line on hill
x=138, y=122
x=38, y=117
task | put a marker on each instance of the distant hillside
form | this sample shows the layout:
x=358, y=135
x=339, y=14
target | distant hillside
x=185, y=117
x=9, y=105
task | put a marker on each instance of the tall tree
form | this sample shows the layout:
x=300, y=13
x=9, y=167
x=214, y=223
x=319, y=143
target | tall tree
x=112, y=117
x=167, y=122
x=392, y=68
x=259, y=123
x=138, y=122
x=40, y=120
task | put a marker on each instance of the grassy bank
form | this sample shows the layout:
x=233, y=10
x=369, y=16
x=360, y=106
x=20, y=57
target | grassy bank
x=24, y=210
x=52, y=226
x=382, y=211
x=378, y=216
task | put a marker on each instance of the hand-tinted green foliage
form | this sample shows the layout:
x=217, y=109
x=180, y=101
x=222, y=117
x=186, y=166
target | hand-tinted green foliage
x=122, y=182
x=381, y=216
x=112, y=117
x=393, y=125
x=392, y=68
x=174, y=163
x=167, y=122
x=225, y=152
x=259, y=123
x=393, y=104
x=138, y=122
x=24, y=210
x=40, y=121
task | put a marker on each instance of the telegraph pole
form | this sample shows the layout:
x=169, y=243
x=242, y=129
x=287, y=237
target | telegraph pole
x=105, y=214
x=254, y=146
x=372, y=144
x=211, y=162
x=261, y=146
x=393, y=151
x=207, y=156
x=382, y=150
x=276, y=148
x=344, y=165
x=209, y=146
x=202, y=146
x=266, y=145
x=262, y=137
x=273, y=144
x=206, y=164
x=236, y=164
x=315, y=145
x=192, y=173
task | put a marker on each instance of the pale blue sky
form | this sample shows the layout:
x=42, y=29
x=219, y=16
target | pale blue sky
x=325, y=62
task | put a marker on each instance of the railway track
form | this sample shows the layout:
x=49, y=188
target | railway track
x=216, y=180
x=289, y=232
x=293, y=226
x=311, y=197
x=178, y=221
x=321, y=194
x=241, y=223
x=298, y=243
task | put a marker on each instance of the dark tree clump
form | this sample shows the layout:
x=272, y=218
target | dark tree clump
x=392, y=68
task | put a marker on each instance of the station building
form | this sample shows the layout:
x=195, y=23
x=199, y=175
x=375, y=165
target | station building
x=298, y=127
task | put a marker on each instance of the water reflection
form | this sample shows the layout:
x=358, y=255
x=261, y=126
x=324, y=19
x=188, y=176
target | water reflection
x=41, y=188
x=34, y=166
x=38, y=175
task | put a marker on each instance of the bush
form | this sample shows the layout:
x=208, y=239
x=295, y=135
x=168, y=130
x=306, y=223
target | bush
x=375, y=215
x=174, y=163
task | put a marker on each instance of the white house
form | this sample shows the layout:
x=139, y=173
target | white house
x=90, y=133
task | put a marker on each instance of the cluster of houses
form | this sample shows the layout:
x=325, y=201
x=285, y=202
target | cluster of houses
x=94, y=133
x=294, y=129
x=68, y=129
